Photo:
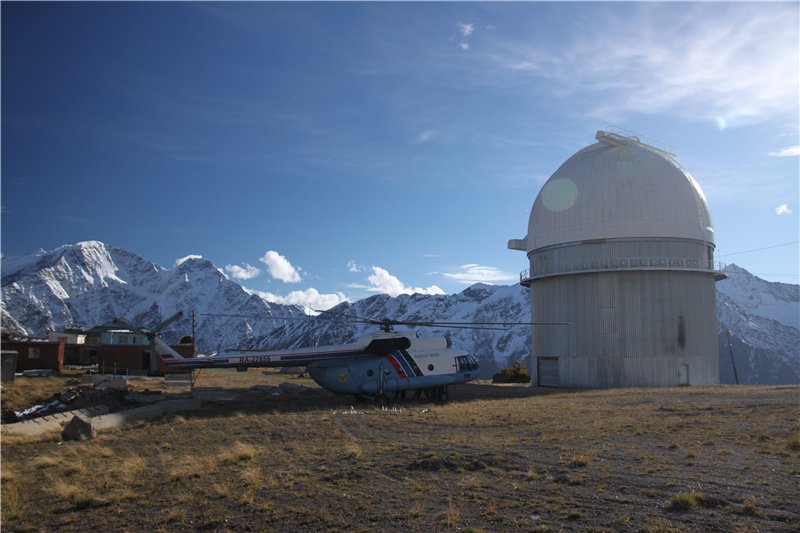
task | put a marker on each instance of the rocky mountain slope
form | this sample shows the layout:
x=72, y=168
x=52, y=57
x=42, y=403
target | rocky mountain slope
x=764, y=320
x=90, y=283
x=478, y=303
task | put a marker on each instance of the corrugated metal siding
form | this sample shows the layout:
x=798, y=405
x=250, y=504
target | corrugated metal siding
x=623, y=254
x=629, y=328
x=547, y=372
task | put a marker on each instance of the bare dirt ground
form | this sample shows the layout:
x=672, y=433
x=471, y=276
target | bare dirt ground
x=494, y=458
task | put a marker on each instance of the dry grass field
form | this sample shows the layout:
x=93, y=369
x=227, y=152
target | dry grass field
x=495, y=458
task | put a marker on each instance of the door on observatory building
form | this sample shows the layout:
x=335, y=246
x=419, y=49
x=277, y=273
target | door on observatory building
x=683, y=374
x=547, y=371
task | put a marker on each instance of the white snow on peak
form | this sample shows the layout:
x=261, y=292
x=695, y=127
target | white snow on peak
x=89, y=283
x=182, y=260
x=89, y=244
x=776, y=301
x=13, y=264
x=99, y=261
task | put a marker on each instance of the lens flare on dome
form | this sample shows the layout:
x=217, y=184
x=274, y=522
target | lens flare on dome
x=559, y=194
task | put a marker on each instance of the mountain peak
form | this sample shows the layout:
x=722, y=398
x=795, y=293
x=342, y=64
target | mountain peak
x=191, y=258
x=197, y=264
x=89, y=244
x=736, y=269
x=90, y=283
x=774, y=300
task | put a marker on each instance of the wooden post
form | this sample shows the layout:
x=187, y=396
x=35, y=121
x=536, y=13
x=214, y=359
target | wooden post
x=194, y=337
x=730, y=349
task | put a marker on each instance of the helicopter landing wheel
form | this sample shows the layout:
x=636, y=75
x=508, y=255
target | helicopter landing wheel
x=382, y=400
x=442, y=395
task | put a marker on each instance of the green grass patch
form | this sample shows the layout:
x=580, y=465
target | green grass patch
x=684, y=501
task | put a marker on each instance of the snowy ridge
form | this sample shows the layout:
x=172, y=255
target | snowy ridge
x=755, y=296
x=478, y=303
x=764, y=320
x=90, y=283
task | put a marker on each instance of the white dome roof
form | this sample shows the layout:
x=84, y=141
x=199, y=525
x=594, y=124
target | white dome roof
x=618, y=188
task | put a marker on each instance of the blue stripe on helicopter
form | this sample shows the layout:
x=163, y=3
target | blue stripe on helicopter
x=315, y=356
x=194, y=361
x=406, y=358
x=398, y=355
x=411, y=362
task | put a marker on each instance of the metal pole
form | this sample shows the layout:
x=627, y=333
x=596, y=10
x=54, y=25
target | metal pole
x=730, y=349
x=194, y=337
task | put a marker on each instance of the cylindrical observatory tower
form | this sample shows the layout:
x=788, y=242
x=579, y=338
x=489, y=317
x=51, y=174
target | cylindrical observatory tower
x=621, y=246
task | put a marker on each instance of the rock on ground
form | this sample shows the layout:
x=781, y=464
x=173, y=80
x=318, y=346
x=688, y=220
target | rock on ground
x=79, y=428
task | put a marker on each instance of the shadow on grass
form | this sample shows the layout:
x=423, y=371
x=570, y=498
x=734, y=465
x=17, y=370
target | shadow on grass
x=232, y=401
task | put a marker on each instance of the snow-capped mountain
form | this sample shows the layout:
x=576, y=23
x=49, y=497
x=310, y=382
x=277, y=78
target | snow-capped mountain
x=90, y=283
x=478, y=303
x=764, y=320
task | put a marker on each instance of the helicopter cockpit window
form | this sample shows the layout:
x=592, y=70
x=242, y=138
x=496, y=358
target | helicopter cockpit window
x=465, y=363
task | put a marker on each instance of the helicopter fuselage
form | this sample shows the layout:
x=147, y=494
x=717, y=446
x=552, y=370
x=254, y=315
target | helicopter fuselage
x=371, y=366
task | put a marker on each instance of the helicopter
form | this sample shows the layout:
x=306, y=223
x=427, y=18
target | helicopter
x=369, y=368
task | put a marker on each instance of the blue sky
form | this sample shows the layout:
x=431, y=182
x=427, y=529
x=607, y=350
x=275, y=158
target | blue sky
x=325, y=151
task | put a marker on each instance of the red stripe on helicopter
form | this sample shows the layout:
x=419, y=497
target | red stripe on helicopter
x=396, y=365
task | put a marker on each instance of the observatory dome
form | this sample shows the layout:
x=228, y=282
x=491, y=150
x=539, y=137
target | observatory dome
x=618, y=188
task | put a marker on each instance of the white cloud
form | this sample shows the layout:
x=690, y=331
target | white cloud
x=474, y=273
x=783, y=209
x=465, y=29
x=280, y=268
x=182, y=260
x=352, y=266
x=381, y=281
x=309, y=299
x=425, y=136
x=729, y=65
x=789, y=151
x=242, y=272
x=464, y=46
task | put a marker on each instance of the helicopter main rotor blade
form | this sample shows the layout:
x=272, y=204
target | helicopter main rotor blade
x=443, y=326
x=350, y=316
x=265, y=317
x=387, y=323
x=437, y=323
